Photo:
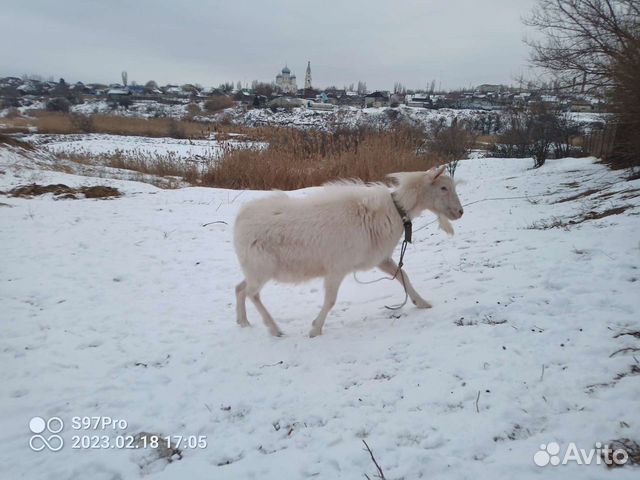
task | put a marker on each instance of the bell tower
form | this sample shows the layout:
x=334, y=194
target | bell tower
x=307, y=77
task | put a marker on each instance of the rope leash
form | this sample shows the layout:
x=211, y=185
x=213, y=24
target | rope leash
x=403, y=249
x=407, y=239
x=404, y=286
x=408, y=233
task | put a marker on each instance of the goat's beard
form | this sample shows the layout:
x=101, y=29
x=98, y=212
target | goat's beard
x=445, y=224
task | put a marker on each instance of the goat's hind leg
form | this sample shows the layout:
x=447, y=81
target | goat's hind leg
x=253, y=291
x=331, y=286
x=241, y=307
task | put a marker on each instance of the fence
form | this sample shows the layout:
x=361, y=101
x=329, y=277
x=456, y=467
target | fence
x=599, y=143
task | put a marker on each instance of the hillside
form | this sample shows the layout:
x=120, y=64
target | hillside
x=124, y=307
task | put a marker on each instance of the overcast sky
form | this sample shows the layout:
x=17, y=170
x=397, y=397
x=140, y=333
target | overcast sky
x=456, y=42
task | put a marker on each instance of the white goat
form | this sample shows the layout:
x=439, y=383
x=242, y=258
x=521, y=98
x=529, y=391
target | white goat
x=346, y=227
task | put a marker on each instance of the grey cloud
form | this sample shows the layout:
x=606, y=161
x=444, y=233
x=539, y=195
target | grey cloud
x=458, y=43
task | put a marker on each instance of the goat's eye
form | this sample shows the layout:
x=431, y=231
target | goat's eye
x=444, y=189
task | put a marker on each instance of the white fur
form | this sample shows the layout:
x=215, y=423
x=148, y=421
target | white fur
x=346, y=227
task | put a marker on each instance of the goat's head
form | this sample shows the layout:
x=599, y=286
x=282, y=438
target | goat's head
x=430, y=190
x=440, y=195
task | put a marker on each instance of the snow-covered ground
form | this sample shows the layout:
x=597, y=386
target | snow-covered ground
x=93, y=144
x=139, y=108
x=482, y=121
x=351, y=117
x=125, y=308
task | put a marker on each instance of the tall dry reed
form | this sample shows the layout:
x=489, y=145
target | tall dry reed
x=296, y=158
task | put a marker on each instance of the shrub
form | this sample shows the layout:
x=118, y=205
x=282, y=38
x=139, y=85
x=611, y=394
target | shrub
x=125, y=101
x=215, y=104
x=59, y=104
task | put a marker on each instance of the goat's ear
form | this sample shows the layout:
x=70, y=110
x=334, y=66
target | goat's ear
x=434, y=173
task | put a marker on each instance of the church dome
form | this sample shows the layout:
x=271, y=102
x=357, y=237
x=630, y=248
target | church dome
x=286, y=70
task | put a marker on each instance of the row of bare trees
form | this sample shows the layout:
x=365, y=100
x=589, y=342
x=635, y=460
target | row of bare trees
x=598, y=43
x=539, y=131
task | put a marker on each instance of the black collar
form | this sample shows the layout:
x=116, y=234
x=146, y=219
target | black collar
x=406, y=220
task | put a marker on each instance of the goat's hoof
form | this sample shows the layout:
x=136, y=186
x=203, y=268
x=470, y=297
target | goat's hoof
x=244, y=323
x=276, y=333
x=315, y=332
x=421, y=303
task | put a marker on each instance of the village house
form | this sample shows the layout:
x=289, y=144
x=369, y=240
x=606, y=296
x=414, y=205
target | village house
x=351, y=99
x=376, y=99
x=417, y=100
x=118, y=92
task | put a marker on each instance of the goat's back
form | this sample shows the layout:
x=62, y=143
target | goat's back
x=340, y=229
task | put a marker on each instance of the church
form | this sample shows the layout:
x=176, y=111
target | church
x=286, y=82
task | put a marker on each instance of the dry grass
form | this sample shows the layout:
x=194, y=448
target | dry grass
x=63, y=191
x=577, y=196
x=487, y=139
x=161, y=165
x=296, y=159
x=593, y=215
x=293, y=159
x=64, y=123
x=14, y=142
x=556, y=222
x=630, y=446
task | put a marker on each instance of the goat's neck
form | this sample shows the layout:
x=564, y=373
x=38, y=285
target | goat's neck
x=409, y=201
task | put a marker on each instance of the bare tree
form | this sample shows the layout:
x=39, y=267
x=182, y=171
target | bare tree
x=262, y=88
x=226, y=87
x=584, y=40
x=536, y=131
x=594, y=46
x=399, y=88
x=151, y=86
x=541, y=129
x=124, y=78
x=450, y=143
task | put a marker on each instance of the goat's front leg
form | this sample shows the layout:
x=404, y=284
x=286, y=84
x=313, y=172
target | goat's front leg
x=390, y=267
x=331, y=286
